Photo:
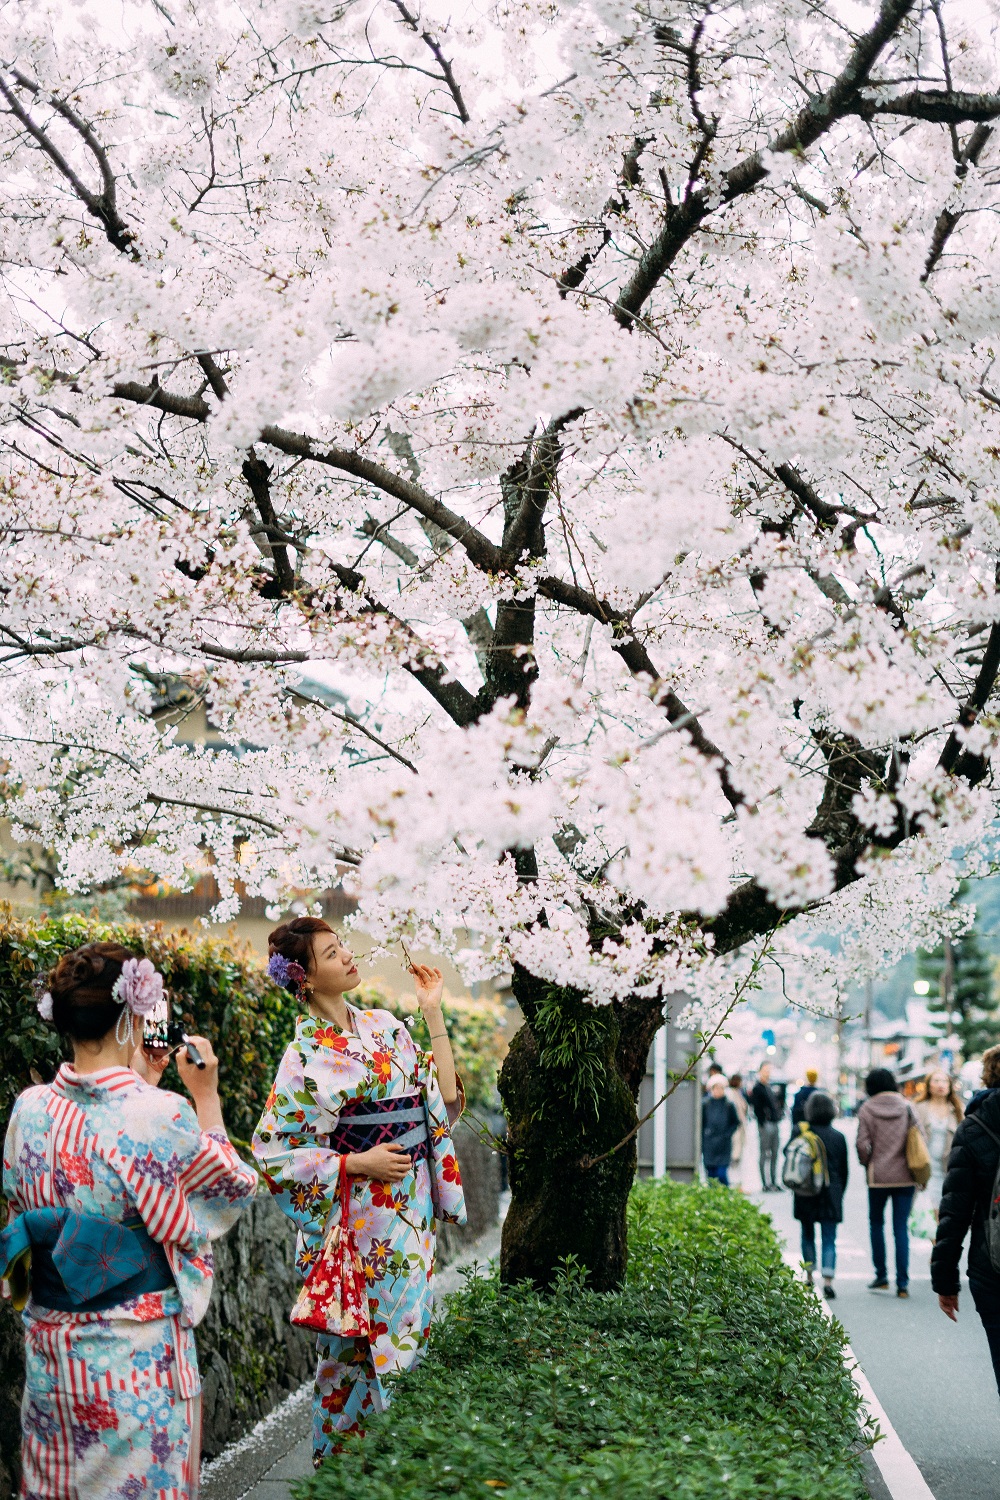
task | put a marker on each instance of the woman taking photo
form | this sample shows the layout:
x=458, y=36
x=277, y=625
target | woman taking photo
x=354, y=1091
x=115, y=1189
x=939, y=1111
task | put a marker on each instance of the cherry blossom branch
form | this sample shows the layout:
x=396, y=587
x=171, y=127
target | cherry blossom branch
x=823, y=111
x=938, y=106
x=104, y=205
x=443, y=63
x=948, y=218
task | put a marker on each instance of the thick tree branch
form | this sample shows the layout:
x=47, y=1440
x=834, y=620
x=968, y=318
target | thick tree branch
x=948, y=218
x=535, y=484
x=447, y=72
x=103, y=205
x=810, y=124
x=971, y=709
x=939, y=106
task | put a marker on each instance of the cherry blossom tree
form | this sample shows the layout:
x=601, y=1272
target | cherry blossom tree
x=603, y=391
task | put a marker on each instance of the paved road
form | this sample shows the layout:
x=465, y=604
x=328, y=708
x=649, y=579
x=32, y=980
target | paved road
x=934, y=1378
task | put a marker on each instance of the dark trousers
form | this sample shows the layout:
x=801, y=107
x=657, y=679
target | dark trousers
x=768, y=1134
x=721, y=1174
x=986, y=1296
x=901, y=1198
x=828, y=1239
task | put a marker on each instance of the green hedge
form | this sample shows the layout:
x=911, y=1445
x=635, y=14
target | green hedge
x=713, y=1373
x=218, y=988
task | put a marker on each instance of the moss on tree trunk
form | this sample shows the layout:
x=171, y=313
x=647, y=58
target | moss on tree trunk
x=566, y=1101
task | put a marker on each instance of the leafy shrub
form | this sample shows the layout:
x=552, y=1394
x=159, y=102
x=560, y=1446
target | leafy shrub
x=712, y=1373
x=219, y=989
x=476, y=1029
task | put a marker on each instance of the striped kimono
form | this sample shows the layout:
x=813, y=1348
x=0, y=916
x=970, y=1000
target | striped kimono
x=111, y=1407
x=326, y=1080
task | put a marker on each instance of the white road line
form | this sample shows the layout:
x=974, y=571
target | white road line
x=903, y=1479
x=898, y=1468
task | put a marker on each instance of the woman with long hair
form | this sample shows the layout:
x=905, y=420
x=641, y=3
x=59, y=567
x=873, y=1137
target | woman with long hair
x=940, y=1111
x=115, y=1189
x=354, y=1092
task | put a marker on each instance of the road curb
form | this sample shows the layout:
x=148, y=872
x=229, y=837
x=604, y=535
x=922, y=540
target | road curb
x=896, y=1466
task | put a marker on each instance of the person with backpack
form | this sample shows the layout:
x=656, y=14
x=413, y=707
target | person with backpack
x=969, y=1202
x=816, y=1171
x=719, y=1123
x=888, y=1136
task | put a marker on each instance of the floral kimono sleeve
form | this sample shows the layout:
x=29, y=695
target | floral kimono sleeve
x=290, y=1144
x=188, y=1184
x=446, y=1179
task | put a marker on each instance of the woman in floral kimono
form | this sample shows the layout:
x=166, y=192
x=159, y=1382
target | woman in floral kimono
x=353, y=1083
x=115, y=1189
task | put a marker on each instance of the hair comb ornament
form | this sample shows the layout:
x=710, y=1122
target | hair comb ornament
x=289, y=974
x=42, y=997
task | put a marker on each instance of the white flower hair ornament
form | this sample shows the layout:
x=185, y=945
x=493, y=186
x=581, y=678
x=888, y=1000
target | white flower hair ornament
x=139, y=986
x=43, y=1005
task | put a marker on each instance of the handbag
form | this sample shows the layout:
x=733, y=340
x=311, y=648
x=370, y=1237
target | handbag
x=917, y=1156
x=334, y=1296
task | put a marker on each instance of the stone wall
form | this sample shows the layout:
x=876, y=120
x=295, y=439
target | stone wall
x=250, y=1355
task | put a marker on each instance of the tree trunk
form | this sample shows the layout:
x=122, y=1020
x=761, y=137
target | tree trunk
x=567, y=1101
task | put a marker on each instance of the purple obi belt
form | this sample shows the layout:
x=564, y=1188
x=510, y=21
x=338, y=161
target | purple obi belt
x=365, y=1123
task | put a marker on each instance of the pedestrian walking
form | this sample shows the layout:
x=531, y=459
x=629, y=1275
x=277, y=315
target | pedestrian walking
x=884, y=1123
x=803, y=1096
x=825, y=1208
x=965, y=1205
x=739, y=1101
x=938, y=1107
x=719, y=1123
x=767, y=1112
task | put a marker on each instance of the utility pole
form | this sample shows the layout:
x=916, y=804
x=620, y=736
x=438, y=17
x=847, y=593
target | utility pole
x=948, y=986
x=868, y=1020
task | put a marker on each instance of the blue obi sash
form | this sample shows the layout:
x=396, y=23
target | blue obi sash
x=77, y=1262
x=364, y=1123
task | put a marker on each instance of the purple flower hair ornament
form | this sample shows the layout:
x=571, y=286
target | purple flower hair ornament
x=139, y=986
x=286, y=972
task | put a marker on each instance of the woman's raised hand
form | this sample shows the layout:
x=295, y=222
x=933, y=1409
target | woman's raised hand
x=389, y=1163
x=430, y=986
x=150, y=1065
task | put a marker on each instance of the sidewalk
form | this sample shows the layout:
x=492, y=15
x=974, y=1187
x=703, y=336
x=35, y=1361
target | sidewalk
x=934, y=1378
x=264, y=1464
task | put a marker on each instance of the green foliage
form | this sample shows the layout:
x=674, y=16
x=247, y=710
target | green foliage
x=217, y=988
x=574, y=1041
x=712, y=1373
x=476, y=1029
x=972, y=988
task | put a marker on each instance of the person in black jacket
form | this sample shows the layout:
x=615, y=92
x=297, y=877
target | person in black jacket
x=719, y=1123
x=965, y=1205
x=826, y=1208
x=802, y=1098
x=768, y=1109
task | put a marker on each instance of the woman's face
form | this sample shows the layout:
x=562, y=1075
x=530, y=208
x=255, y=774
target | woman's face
x=333, y=968
x=939, y=1086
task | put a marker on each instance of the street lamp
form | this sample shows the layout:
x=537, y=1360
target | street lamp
x=921, y=986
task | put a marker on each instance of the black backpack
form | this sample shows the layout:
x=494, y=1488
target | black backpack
x=992, y=1225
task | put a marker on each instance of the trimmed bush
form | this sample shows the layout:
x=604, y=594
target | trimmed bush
x=218, y=988
x=712, y=1373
